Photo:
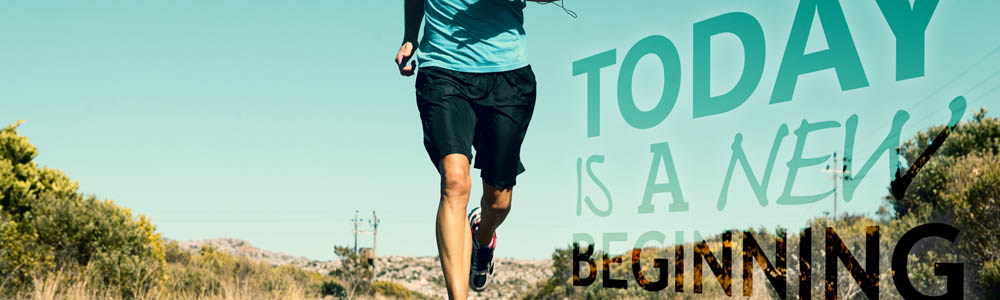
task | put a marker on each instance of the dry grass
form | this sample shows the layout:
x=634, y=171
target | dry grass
x=57, y=286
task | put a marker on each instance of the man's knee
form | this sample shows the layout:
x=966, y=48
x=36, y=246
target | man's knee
x=455, y=184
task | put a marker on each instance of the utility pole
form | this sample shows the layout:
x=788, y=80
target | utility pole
x=356, y=220
x=835, y=174
x=373, y=223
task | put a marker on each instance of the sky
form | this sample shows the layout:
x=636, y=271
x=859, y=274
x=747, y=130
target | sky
x=274, y=121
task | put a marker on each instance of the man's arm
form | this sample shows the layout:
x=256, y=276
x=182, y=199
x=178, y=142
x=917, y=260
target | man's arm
x=413, y=15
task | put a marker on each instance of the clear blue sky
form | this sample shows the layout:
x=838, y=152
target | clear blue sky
x=273, y=121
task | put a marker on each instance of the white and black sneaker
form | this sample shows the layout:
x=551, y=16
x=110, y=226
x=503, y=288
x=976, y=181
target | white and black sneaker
x=482, y=256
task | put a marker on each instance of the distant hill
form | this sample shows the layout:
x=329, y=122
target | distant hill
x=241, y=248
x=421, y=274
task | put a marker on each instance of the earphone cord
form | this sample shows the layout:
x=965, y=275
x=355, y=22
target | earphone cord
x=560, y=4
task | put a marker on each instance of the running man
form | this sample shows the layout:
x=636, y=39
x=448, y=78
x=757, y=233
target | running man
x=474, y=89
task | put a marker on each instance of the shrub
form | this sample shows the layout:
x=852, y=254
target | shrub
x=118, y=250
x=976, y=138
x=354, y=272
x=392, y=289
x=59, y=243
x=334, y=289
x=960, y=186
x=46, y=225
x=210, y=273
x=991, y=277
x=187, y=282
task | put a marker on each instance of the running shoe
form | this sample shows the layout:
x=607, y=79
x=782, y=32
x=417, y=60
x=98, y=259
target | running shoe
x=482, y=256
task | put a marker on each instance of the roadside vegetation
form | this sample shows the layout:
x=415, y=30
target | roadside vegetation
x=960, y=186
x=56, y=243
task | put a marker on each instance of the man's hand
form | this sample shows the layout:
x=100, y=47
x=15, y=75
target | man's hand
x=403, y=59
x=413, y=11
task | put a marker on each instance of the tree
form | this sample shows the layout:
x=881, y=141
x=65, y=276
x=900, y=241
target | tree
x=976, y=138
x=354, y=271
x=961, y=185
x=47, y=226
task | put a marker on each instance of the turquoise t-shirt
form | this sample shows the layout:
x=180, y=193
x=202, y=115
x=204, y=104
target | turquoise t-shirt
x=473, y=35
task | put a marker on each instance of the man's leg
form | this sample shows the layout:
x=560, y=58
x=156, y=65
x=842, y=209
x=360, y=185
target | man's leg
x=454, y=238
x=495, y=204
x=503, y=121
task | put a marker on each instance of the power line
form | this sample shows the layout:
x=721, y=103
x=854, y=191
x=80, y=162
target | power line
x=989, y=92
x=949, y=83
x=974, y=87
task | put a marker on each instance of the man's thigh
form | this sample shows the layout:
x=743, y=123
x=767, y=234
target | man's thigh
x=503, y=119
x=446, y=116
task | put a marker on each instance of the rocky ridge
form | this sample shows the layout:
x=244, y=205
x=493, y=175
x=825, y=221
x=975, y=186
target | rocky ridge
x=421, y=274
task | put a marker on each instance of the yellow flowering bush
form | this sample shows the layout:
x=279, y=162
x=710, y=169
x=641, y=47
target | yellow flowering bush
x=46, y=226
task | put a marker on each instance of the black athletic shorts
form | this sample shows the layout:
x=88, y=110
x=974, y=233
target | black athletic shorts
x=488, y=111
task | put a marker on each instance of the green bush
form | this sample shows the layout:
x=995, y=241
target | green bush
x=960, y=186
x=334, y=289
x=118, y=250
x=186, y=282
x=183, y=279
x=47, y=226
x=354, y=272
x=991, y=277
x=392, y=289
x=210, y=273
x=976, y=138
x=52, y=235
